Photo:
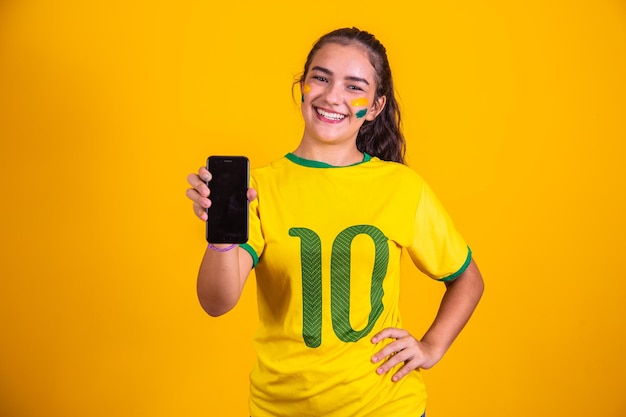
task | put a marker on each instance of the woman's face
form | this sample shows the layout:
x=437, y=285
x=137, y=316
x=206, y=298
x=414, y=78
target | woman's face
x=338, y=94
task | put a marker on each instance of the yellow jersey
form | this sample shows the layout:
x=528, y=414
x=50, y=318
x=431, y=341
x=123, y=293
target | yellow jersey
x=326, y=243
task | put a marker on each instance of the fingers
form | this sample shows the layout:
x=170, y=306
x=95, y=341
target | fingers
x=251, y=194
x=204, y=173
x=199, y=192
x=405, y=349
x=198, y=181
x=393, y=349
x=200, y=204
x=389, y=333
x=201, y=212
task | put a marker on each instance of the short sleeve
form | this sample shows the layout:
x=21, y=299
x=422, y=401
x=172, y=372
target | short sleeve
x=437, y=248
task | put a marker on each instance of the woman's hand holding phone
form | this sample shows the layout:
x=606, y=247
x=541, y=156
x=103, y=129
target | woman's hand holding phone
x=200, y=192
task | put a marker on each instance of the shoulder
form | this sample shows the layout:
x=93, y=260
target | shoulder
x=269, y=168
x=396, y=170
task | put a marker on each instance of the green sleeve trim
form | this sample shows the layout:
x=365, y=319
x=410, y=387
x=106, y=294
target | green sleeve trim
x=454, y=276
x=251, y=251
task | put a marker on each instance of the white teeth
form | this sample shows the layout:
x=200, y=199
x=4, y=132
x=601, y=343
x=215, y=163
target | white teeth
x=332, y=116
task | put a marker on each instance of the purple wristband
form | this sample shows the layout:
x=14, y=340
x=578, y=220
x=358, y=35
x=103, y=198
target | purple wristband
x=226, y=249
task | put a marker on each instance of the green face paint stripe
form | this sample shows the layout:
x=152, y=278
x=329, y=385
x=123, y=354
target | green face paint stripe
x=361, y=113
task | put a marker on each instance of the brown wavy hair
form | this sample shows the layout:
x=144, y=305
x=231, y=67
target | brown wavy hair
x=381, y=137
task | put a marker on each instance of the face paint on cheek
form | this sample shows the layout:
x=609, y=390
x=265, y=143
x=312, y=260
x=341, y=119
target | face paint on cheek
x=360, y=102
x=305, y=90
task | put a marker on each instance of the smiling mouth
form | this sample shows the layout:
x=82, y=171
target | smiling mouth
x=329, y=115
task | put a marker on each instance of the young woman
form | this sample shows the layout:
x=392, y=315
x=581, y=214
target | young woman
x=328, y=223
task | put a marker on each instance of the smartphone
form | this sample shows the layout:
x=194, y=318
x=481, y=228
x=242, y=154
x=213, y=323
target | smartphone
x=228, y=214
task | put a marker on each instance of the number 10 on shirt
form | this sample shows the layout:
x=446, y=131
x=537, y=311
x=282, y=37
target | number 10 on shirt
x=311, y=260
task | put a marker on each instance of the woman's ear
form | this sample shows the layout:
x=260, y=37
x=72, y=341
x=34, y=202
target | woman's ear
x=376, y=108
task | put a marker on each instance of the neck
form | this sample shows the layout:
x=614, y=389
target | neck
x=335, y=156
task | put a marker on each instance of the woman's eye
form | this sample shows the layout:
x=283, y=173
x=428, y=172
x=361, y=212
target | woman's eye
x=320, y=78
x=354, y=87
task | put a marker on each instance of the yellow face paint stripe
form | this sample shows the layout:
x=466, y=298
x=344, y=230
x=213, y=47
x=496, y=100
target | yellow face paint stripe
x=306, y=88
x=359, y=102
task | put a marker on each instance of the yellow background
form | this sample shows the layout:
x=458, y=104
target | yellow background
x=514, y=113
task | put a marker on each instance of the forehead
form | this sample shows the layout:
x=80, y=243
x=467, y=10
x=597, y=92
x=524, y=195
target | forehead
x=345, y=60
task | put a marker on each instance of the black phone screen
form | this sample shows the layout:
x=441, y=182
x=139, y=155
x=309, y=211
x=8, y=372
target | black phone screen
x=228, y=214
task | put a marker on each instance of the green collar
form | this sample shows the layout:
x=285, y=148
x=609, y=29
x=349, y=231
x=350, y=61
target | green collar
x=316, y=164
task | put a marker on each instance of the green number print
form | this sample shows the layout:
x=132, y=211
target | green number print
x=311, y=258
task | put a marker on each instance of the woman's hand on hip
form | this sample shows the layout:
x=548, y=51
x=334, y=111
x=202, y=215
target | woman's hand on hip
x=404, y=349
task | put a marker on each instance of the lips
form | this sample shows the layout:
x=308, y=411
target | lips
x=335, y=117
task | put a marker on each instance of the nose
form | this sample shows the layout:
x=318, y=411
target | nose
x=333, y=94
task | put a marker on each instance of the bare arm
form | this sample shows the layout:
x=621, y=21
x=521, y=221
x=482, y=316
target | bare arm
x=222, y=275
x=458, y=304
x=221, y=279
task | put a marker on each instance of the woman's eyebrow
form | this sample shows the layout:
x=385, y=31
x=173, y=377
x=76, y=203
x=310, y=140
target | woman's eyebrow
x=322, y=69
x=350, y=78
x=357, y=79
